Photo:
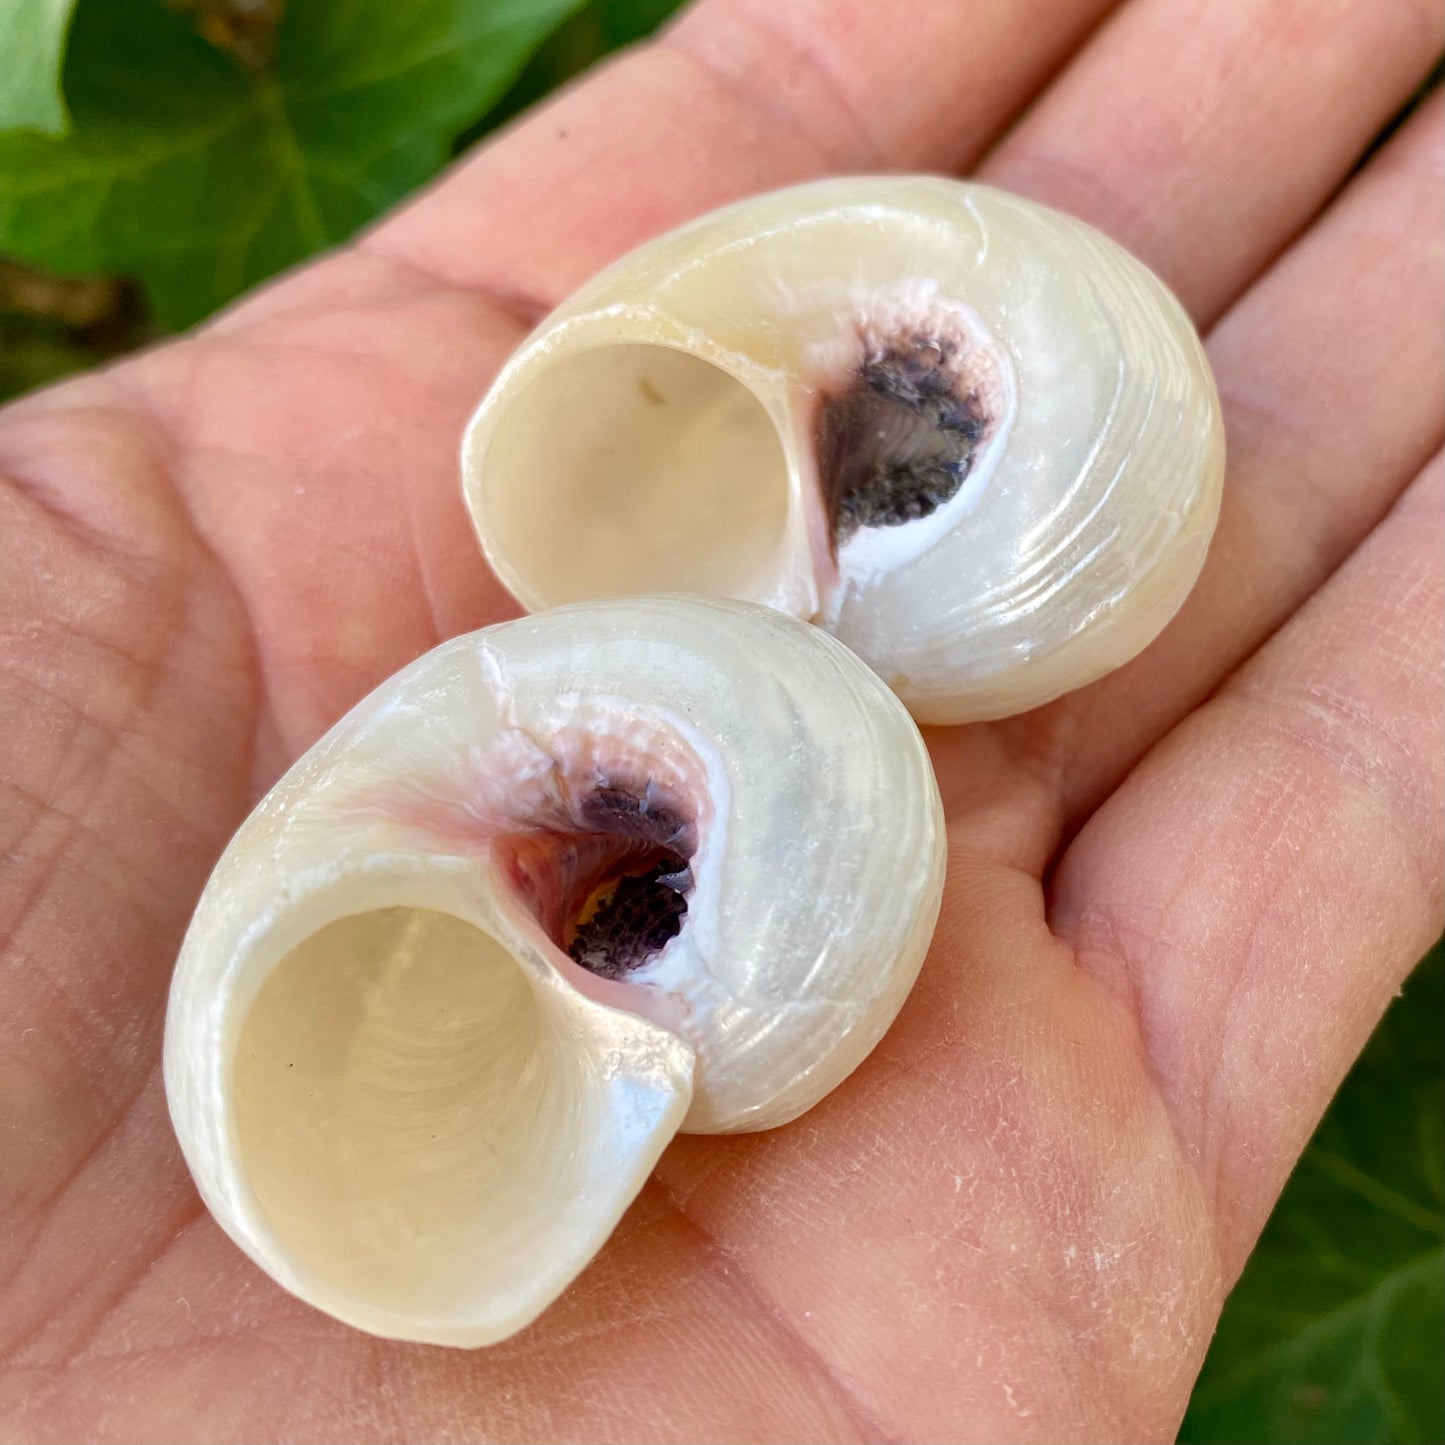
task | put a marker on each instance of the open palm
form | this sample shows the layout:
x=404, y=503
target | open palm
x=1177, y=900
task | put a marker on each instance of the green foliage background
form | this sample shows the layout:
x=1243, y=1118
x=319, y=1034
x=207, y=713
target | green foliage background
x=1336, y=1330
x=186, y=149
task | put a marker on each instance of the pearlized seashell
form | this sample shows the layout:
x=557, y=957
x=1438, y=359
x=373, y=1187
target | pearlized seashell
x=971, y=437
x=557, y=890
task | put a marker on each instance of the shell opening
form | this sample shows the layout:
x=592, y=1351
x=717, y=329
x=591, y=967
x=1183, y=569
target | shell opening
x=388, y=1078
x=633, y=468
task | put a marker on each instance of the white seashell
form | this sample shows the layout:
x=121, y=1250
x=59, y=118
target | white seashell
x=397, y=1092
x=720, y=410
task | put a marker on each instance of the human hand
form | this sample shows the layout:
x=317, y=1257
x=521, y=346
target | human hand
x=1178, y=900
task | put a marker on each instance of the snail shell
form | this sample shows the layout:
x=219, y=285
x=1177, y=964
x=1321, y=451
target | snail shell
x=970, y=436
x=557, y=890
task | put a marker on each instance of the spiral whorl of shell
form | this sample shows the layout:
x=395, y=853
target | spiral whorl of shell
x=972, y=437
x=553, y=892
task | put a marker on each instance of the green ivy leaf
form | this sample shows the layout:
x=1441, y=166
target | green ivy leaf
x=202, y=178
x=32, y=46
x=624, y=21
x=1336, y=1329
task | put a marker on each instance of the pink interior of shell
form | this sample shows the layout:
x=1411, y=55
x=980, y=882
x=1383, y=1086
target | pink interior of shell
x=596, y=831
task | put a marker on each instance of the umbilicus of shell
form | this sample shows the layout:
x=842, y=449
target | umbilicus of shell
x=645, y=862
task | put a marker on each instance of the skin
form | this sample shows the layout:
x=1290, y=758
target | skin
x=1178, y=901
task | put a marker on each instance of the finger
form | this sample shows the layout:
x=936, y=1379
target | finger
x=1330, y=371
x=739, y=96
x=1203, y=136
x=1263, y=881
